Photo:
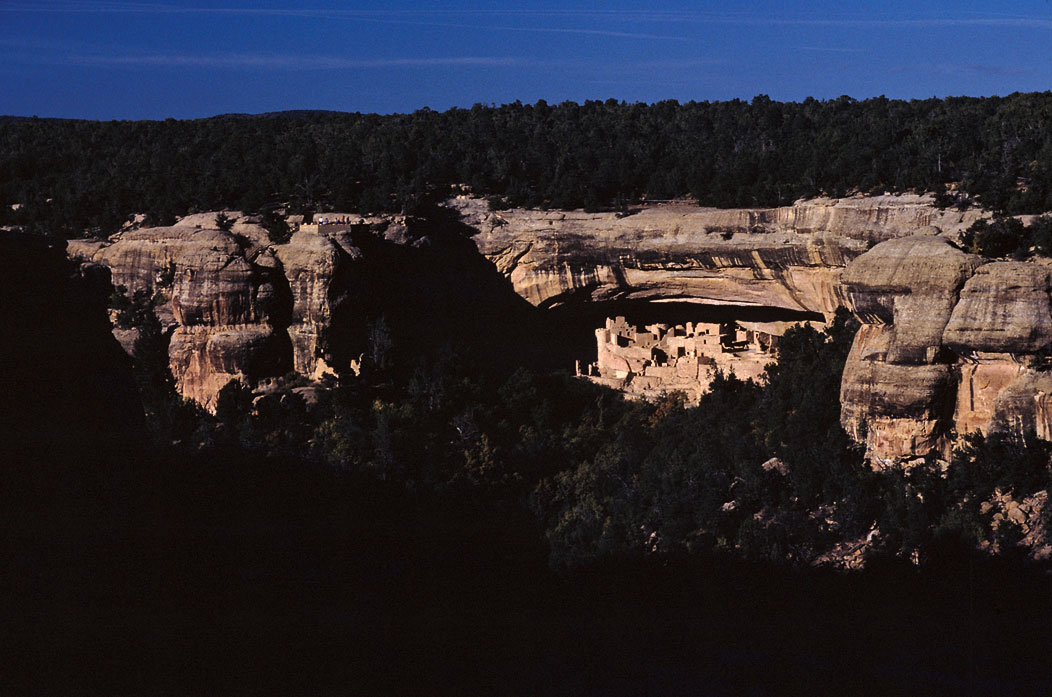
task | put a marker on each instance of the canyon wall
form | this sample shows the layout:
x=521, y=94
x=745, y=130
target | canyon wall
x=789, y=258
x=950, y=343
x=234, y=306
x=237, y=305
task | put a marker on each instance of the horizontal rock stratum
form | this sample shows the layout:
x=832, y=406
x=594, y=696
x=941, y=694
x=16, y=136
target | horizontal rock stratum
x=789, y=258
x=239, y=306
x=950, y=342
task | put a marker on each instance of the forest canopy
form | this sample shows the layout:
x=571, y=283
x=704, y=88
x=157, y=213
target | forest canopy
x=68, y=175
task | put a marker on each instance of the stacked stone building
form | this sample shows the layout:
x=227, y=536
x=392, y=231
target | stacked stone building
x=681, y=358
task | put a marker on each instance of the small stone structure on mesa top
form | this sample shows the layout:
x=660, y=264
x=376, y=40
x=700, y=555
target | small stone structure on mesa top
x=682, y=358
x=326, y=227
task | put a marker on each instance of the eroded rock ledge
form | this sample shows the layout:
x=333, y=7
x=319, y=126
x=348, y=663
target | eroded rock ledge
x=237, y=306
x=789, y=258
x=950, y=343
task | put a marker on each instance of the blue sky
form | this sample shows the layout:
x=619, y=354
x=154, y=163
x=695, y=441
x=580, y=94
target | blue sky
x=183, y=59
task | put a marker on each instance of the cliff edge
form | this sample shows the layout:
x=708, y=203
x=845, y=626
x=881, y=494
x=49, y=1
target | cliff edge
x=789, y=258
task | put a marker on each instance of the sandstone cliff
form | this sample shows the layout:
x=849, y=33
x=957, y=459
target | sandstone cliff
x=947, y=343
x=237, y=306
x=950, y=344
x=789, y=258
x=234, y=307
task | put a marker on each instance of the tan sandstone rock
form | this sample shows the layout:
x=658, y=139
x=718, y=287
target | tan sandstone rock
x=205, y=358
x=930, y=310
x=944, y=346
x=225, y=311
x=788, y=257
x=897, y=410
x=910, y=284
x=310, y=262
x=980, y=383
x=1025, y=406
x=1004, y=307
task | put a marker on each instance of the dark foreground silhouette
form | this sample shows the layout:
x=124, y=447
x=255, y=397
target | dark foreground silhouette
x=132, y=567
x=228, y=575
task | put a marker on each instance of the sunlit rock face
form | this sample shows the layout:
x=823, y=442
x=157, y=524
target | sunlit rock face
x=910, y=285
x=1000, y=321
x=1025, y=406
x=226, y=308
x=949, y=344
x=311, y=262
x=896, y=409
x=949, y=341
x=789, y=257
x=1004, y=307
x=237, y=305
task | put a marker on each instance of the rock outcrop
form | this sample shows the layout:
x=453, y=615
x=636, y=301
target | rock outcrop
x=1026, y=515
x=898, y=410
x=237, y=306
x=949, y=340
x=789, y=258
x=310, y=262
x=949, y=345
x=1003, y=308
x=229, y=307
x=909, y=285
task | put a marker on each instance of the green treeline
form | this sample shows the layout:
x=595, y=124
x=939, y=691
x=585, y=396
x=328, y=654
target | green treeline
x=1006, y=236
x=69, y=175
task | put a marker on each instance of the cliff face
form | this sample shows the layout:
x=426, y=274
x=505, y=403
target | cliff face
x=237, y=306
x=949, y=344
x=234, y=307
x=789, y=258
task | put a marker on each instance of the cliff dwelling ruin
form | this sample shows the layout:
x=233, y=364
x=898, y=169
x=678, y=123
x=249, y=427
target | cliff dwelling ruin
x=684, y=358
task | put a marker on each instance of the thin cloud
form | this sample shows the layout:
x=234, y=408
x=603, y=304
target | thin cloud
x=451, y=18
x=32, y=43
x=161, y=8
x=976, y=18
x=1025, y=23
x=829, y=49
x=993, y=70
x=688, y=64
x=404, y=17
x=983, y=19
x=962, y=69
x=652, y=83
x=276, y=62
x=540, y=30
